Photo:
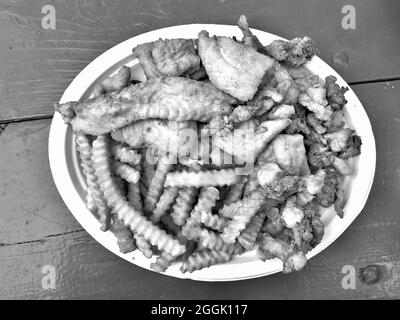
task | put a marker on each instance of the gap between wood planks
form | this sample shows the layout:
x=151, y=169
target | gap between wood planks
x=5, y=122
x=42, y=239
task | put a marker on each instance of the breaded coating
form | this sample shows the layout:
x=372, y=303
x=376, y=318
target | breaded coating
x=166, y=136
x=173, y=98
x=294, y=52
x=246, y=142
x=169, y=57
x=335, y=93
x=249, y=38
x=115, y=82
x=231, y=66
x=292, y=259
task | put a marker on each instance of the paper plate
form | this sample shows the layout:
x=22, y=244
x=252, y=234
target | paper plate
x=70, y=182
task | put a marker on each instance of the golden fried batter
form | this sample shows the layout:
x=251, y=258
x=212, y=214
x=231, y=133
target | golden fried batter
x=231, y=66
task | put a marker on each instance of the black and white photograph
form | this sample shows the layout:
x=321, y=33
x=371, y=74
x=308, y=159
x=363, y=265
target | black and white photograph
x=187, y=150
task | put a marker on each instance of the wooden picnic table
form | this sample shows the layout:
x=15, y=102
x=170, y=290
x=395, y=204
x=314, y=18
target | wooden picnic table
x=37, y=65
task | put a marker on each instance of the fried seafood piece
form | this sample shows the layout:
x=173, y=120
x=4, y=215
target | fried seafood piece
x=292, y=259
x=294, y=52
x=169, y=57
x=231, y=66
x=304, y=228
x=332, y=192
x=116, y=82
x=345, y=142
x=335, y=93
x=247, y=141
x=288, y=152
x=283, y=111
x=173, y=98
x=166, y=136
x=314, y=99
x=249, y=38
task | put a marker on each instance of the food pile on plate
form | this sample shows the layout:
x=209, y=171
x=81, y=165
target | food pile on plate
x=229, y=146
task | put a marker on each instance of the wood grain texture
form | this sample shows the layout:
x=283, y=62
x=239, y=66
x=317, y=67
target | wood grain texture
x=31, y=207
x=87, y=270
x=37, y=65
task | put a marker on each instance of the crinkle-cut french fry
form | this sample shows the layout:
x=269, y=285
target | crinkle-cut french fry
x=209, y=239
x=143, y=246
x=90, y=201
x=126, y=172
x=148, y=169
x=249, y=235
x=162, y=262
x=206, y=239
x=224, y=177
x=164, y=165
x=84, y=147
x=183, y=205
x=167, y=198
x=204, y=259
x=134, y=197
x=125, y=154
x=213, y=221
x=207, y=198
x=130, y=217
x=124, y=235
x=236, y=191
x=233, y=248
x=241, y=212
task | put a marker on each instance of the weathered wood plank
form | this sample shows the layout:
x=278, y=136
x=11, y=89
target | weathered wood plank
x=87, y=270
x=31, y=207
x=37, y=65
x=84, y=269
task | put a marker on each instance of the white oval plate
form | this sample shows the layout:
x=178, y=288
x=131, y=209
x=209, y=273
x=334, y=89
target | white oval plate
x=71, y=184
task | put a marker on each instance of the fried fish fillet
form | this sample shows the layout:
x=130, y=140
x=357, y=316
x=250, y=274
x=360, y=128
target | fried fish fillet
x=173, y=98
x=232, y=66
x=170, y=57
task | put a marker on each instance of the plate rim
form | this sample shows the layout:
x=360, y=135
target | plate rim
x=59, y=167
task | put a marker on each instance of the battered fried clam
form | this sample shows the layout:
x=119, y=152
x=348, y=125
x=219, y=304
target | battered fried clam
x=169, y=57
